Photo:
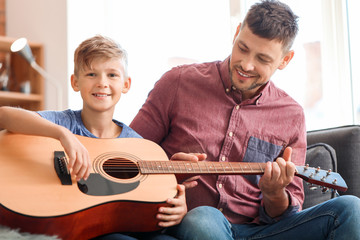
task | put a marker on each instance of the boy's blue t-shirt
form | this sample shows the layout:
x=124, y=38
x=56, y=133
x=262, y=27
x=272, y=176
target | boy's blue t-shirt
x=71, y=120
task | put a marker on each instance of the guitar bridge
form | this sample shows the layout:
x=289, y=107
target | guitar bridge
x=60, y=164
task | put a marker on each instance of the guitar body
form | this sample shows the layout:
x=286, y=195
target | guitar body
x=34, y=199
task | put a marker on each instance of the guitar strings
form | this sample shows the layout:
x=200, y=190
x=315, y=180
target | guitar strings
x=125, y=165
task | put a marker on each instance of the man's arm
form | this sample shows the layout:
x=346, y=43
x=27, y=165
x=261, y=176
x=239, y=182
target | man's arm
x=22, y=121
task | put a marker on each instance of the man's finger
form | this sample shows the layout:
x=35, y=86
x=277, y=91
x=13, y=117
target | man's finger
x=287, y=154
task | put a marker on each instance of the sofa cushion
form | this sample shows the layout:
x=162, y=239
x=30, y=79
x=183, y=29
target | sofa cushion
x=319, y=155
x=346, y=142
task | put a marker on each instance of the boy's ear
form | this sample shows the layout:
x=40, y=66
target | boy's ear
x=74, y=83
x=286, y=59
x=127, y=84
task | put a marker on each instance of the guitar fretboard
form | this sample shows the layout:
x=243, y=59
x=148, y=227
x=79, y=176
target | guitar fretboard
x=183, y=167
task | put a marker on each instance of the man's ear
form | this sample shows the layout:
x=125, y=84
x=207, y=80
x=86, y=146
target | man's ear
x=237, y=32
x=127, y=85
x=74, y=83
x=286, y=59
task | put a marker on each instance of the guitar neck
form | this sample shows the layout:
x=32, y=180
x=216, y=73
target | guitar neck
x=200, y=168
x=317, y=176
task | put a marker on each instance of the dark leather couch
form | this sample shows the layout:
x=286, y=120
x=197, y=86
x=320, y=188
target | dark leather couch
x=337, y=149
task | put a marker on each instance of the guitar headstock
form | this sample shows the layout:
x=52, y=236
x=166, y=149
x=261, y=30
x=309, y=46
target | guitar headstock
x=325, y=178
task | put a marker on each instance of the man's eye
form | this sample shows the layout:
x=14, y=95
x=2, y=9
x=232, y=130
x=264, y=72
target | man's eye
x=263, y=60
x=242, y=49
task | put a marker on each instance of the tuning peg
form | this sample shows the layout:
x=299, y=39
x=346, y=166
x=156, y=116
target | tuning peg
x=317, y=169
x=328, y=172
x=336, y=192
x=324, y=190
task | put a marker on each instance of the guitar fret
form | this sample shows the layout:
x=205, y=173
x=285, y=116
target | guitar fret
x=197, y=163
x=222, y=167
x=169, y=167
x=261, y=167
x=207, y=168
x=213, y=167
x=188, y=167
x=178, y=165
x=191, y=169
x=153, y=166
x=251, y=170
x=232, y=168
x=226, y=167
x=164, y=166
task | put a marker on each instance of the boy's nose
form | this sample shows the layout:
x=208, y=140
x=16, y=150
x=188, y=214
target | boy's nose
x=103, y=81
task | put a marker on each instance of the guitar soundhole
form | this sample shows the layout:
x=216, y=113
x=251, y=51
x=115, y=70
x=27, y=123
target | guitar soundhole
x=121, y=168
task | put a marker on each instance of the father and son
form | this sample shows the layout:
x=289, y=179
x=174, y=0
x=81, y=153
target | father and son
x=223, y=111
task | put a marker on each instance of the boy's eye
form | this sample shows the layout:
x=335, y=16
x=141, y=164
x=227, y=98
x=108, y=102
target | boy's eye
x=90, y=74
x=112, y=75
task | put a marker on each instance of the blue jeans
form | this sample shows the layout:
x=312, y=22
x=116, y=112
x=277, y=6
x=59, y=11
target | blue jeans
x=135, y=236
x=338, y=218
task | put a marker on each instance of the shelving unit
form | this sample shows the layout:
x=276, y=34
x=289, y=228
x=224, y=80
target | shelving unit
x=19, y=72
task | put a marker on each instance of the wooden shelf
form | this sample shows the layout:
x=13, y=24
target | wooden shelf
x=19, y=72
x=17, y=99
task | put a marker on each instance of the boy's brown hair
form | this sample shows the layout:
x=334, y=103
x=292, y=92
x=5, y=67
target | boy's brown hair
x=98, y=47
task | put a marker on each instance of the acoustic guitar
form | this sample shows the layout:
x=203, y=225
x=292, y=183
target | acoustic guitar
x=130, y=179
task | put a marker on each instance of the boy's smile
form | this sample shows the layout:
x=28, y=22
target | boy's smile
x=101, y=95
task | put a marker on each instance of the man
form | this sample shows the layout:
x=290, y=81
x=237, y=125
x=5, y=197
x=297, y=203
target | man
x=231, y=111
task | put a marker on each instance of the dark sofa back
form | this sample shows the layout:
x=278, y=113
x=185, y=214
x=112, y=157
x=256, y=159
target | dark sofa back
x=346, y=142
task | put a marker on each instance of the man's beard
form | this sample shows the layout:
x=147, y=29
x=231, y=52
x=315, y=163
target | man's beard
x=251, y=87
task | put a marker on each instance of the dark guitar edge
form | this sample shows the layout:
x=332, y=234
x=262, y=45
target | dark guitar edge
x=105, y=218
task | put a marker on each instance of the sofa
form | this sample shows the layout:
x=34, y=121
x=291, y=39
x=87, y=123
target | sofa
x=337, y=149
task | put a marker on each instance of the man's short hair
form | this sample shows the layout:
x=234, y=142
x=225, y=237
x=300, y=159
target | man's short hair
x=272, y=19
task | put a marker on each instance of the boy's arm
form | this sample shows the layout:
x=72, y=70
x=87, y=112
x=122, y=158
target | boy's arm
x=22, y=121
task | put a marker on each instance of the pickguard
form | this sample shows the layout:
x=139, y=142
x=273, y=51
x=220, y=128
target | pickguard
x=96, y=185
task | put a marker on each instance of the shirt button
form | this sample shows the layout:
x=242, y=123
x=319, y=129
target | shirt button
x=237, y=107
x=227, y=90
x=231, y=134
x=220, y=185
x=223, y=158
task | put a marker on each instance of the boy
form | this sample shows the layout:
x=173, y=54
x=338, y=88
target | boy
x=100, y=75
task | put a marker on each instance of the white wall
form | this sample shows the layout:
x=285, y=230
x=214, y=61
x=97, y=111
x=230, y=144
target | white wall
x=43, y=21
x=151, y=35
